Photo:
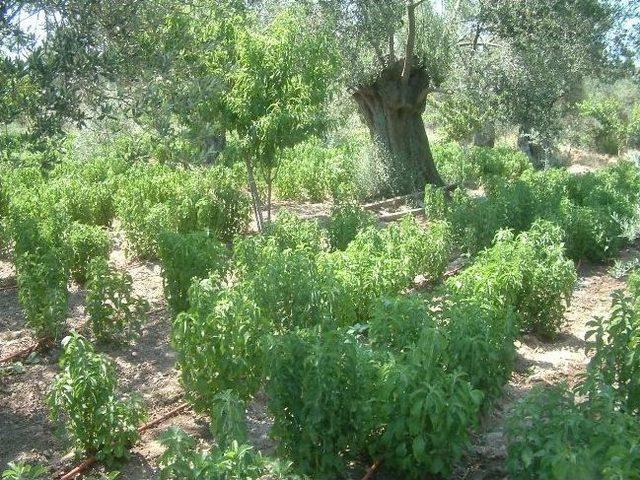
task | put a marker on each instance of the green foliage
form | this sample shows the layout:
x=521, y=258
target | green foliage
x=321, y=394
x=228, y=422
x=23, y=471
x=291, y=289
x=553, y=435
x=218, y=344
x=313, y=172
x=185, y=257
x=116, y=315
x=86, y=242
x=182, y=460
x=528, y=272
x=609, y=117
x=456, y=165
x=291, y=231
x=396, y=322
x=474, y=166
x=480, y=341
x=155, y=199
x=83, y=397
x=346, y=221
x=594, y=209
x=615, y=343
x=386, y=261
x=428, y=410
x=42, y=291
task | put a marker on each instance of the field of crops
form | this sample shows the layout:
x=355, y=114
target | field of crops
x=320, y=239
x=434, y=345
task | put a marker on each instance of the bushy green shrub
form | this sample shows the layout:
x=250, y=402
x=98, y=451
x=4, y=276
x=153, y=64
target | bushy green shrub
x=455, y=164
x=182, y=460
x=321, y=394
x=313, y=172
x=528, y=272
x=385, y=261
x=428, y=410
x=346, y=221
x=83, y=398
x=42, y=291
x=396, y=322
x=593, y=209
x=86, y=243
x=500, y=163
x=218, y=344
x=84, y=202
x=553, y=435
x=471, y=167
x=155, y=199
x=185, y=257
x=480, y=341
x=115, y=313
x=614, y=343
x=291, y=231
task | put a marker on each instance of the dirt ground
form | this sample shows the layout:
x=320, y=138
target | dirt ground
x=146, y=368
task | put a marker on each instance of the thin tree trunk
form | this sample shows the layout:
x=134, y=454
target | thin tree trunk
x=255, y=196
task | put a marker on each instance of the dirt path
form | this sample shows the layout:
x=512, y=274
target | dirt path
x=542, y=363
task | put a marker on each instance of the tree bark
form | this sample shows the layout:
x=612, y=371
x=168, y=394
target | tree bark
x=530, y=147
x=392, y=109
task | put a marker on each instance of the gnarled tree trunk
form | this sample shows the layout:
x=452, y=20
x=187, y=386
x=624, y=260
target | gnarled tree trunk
x=392, y=109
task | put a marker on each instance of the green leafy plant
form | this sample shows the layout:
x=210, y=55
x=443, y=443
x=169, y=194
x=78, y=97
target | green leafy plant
x=157, y=199
x=228, y=422
x=83, y=398
x=42, y=291
x=615, y=343
x=86, y=242
x=24, y=471
x=321, y=394
x=186, y=257
x=346, y=221
x=386, y=261
x=231, y=356
x=528, y=273
x=182, y=460
x=553, y=435
x=427, y=409
x=115, y=314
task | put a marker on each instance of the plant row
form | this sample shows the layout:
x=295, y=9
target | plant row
x=597, y=211
x=355, y=366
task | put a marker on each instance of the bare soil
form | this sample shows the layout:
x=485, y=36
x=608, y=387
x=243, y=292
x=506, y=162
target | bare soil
x=146, y=367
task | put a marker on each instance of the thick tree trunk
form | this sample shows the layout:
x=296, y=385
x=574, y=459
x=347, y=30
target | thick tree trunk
x=392, y=110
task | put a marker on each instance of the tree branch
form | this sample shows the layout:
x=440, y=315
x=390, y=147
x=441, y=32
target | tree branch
x=392, y=48
x=411, y=41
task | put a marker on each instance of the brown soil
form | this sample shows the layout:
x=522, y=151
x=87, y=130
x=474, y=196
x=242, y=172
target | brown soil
x=147, y=368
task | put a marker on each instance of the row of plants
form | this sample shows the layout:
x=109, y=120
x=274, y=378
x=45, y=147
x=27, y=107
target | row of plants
x=593, y=429
x=48, y=251
x=597, y=211
x=355, y=367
